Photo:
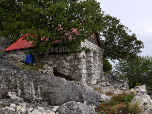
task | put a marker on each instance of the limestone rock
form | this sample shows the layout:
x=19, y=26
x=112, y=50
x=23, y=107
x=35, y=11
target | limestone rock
x=6, y=111
x=55, y=108
x=4, y=43
x=12, y=109
x=51, y=112
x=12, y=105
x=30, y=110
x=12, y=95
x=73, y=107
x=91, y=96
x=103, y=84
x=143, y=99
x=35, y=111
x=108, y=84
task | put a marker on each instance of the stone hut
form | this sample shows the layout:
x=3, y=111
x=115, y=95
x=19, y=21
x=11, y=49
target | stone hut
x=84, y=66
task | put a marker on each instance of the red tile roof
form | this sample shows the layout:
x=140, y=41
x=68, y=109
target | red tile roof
x=20, y=44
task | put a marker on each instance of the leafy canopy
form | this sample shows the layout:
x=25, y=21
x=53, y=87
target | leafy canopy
x=50, y=19
x=106, y=66
x=137, y=71
x=118, y=43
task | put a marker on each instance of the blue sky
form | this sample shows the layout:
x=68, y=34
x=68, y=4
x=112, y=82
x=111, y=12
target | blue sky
x=134, y=14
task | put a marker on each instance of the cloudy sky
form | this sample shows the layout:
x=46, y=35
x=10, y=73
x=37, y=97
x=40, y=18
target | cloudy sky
x=134, y=14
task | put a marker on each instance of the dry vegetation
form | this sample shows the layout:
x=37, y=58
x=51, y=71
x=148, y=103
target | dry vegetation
x=119, y=104
x=109, y=93
x=29, y=67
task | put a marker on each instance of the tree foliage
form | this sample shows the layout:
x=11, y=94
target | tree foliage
x=137, y=71
x=106, y=66
x=118, y=43
x=50, y=19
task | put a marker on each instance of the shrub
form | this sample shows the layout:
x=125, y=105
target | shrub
x=113, y=110
x=3, y=53
x=106, y=66
x=118, y=103
x=128, y=98
x=134, y=108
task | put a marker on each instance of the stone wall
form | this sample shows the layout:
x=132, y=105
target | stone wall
x=93, y=63
x=84, y=66
x=17, y=56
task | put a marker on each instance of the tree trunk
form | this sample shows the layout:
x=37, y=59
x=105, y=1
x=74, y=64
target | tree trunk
x=36, y=60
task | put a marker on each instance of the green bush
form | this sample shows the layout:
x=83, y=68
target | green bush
x=3, y=53
x=128, y=98
x=134, y=108
x=106, y=66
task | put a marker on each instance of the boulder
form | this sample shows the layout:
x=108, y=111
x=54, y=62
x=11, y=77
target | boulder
x=91, y=96
x=73, y=107
x=143, y=99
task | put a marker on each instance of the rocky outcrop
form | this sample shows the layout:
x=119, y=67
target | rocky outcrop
x=91, y=96
x=143, y=99
x=71, y=107
x=13, y=107
x=33, y=85
x=113, y=84
x=114, y=78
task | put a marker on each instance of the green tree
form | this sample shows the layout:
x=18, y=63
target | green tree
x=117, y=42
x=106, y=66
x=52, y=19
x=137, y=71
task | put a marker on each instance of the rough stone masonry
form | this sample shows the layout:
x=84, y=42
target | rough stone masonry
x=85, y=66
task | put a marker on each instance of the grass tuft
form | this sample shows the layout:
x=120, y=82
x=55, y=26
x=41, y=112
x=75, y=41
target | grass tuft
x=134, y=108
x=113, y=110
x=29, y=67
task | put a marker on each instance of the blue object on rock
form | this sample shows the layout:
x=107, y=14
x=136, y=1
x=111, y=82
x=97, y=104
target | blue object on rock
x=29, y=58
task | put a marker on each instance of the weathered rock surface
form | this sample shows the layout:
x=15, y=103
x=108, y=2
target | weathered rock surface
x=143, y=99
x=113, y=83
x=13, y=107
x=113, y=79
x=33, y=85
x=8, y=107
x=73, y=107
x=92, y=97
x=4, y=43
